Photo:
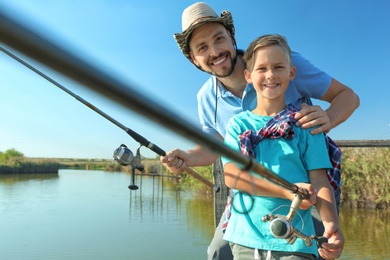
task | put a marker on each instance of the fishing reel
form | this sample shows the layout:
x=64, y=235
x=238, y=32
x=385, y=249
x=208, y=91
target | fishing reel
x=282, y=227
x=125, y=157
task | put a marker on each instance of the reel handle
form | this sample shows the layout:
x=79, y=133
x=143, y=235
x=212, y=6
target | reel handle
x=319, y=240
x=132, y=186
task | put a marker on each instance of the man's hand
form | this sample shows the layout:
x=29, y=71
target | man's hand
x=175, y=161
x=310, y=116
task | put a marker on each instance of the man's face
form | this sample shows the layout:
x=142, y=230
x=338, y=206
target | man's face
x=212, y=49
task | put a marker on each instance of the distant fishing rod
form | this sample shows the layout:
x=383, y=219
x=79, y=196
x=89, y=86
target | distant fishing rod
x=135, y=162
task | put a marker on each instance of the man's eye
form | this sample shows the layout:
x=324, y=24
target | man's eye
x=219, y=39
x=202, y=49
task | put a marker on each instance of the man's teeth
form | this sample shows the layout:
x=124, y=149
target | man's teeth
x=220, y=61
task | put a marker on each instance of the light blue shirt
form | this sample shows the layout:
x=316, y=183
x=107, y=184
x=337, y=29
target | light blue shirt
x=309, y=82
x=289, y=159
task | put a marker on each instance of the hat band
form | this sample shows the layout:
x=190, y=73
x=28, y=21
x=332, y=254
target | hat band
x=201, y=19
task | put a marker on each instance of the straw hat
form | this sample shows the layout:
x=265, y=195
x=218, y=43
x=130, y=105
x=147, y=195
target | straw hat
x=196, y=15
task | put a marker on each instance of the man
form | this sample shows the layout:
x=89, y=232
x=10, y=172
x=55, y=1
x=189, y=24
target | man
x=207, y=40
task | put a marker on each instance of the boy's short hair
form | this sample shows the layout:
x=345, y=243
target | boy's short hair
x=265, y=41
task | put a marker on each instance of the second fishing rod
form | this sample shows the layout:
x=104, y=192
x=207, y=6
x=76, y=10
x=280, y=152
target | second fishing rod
x=122, y=154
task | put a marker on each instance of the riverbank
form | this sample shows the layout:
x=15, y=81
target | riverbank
x=21, y=164
x=365, y=173
x=29, y=166
x=14, y=162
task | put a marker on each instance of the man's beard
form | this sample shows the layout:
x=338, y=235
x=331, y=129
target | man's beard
x=227, y=73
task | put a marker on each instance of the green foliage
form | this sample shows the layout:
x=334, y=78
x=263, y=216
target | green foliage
x=154, y=168
x=10, y=154
x=13, y=161
x=187, y=182
x=366, y=177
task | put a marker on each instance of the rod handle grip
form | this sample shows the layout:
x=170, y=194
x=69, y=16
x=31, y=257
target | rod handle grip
x=202, y=179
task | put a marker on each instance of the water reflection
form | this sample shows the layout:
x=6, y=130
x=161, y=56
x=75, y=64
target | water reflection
x=10, y=179
x=93, y=215
x=154, y=201
x=169, y=221
x=366, y=233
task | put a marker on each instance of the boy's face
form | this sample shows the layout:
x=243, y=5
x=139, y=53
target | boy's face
x=271, y=73
x=212, y=49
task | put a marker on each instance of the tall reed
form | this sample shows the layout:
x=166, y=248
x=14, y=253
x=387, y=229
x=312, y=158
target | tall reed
x=366, y=177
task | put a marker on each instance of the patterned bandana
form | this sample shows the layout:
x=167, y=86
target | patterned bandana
x=279, y=126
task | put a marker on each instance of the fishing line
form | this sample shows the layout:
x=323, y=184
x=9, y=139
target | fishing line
x=241, y=194
x=137, y=137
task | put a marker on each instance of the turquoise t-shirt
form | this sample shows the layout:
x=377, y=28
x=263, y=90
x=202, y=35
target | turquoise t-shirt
x=291, y=160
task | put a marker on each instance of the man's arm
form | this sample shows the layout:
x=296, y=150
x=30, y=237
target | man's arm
x=343, y=102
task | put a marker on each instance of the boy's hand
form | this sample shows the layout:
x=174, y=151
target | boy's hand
x=335, y=245
x=306, y=204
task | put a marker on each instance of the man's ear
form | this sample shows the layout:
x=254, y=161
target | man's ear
x=293, y=72
x=232, y=38
x=248, y=77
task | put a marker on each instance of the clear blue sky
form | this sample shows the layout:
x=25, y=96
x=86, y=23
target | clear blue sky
x=133, y=40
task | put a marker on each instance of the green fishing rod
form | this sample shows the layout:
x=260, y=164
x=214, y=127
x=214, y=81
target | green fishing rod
x=122, y=154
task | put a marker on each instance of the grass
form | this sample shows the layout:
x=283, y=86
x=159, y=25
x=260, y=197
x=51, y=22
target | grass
x=189, y=183
x=25, y=165
x=366, y=178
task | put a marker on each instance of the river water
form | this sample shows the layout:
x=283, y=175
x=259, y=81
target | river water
x=93, y=215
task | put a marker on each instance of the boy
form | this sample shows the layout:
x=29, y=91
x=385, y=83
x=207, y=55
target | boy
x=268, y=133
